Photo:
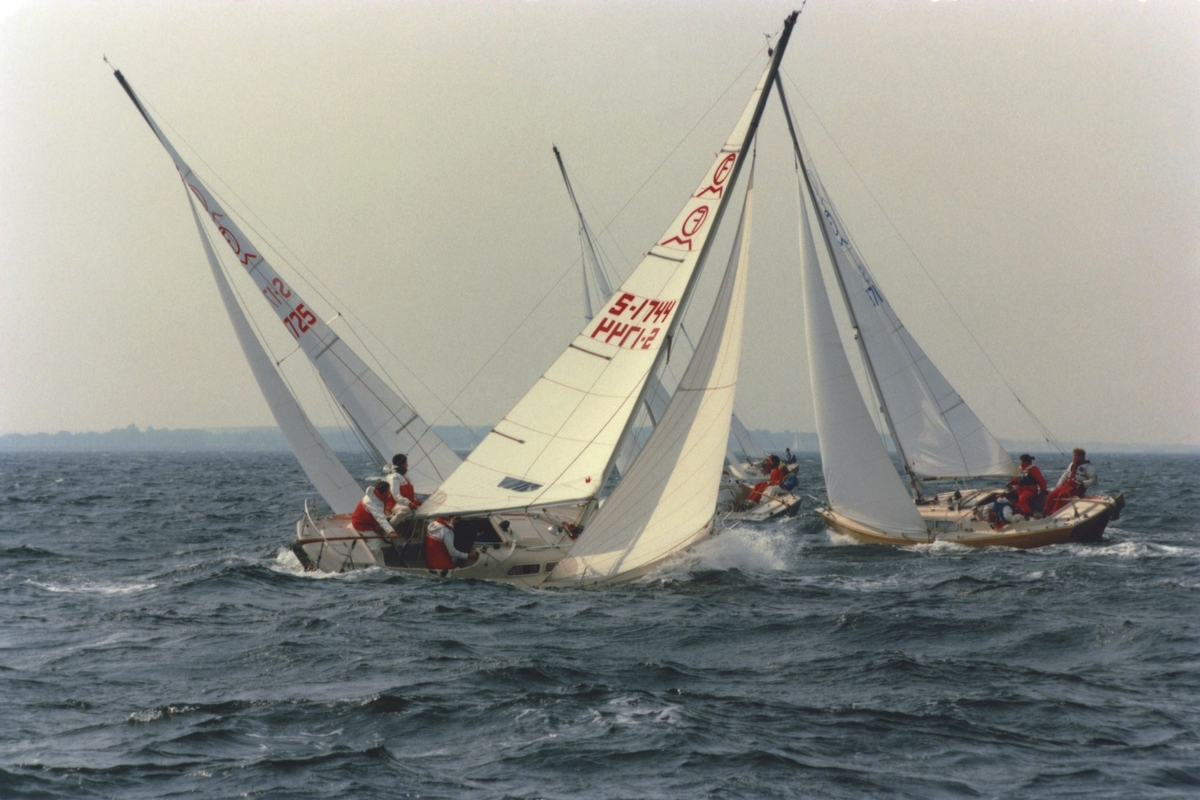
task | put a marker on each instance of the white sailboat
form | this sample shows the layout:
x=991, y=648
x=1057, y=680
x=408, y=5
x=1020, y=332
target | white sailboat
x=741, y=475
x=531, y=486
x=935, y=433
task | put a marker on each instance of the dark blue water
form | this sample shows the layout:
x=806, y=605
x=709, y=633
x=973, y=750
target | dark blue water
x=159, y=640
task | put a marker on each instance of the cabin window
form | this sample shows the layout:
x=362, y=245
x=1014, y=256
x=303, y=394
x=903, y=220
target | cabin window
x=524, y=569
x=550, y=565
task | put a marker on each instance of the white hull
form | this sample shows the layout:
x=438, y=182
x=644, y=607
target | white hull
x=522, y=553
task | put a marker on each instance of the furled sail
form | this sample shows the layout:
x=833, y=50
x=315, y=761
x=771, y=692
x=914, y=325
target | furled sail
x=667, y=501
x=557, y=445
x=385, y=421
x=328, y=475
x=860, y=480
x=940, y=436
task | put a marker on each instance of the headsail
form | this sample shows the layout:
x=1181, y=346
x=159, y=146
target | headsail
x=328, y=475
x=667, y=501
x=557, y=445
x=938, y=434
x=385, y=421
x=860, y=480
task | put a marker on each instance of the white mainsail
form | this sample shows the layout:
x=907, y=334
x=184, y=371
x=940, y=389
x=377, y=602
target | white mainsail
x=557, y=445
x=939, y=435
x=860, y=480
x=385, y=421
x=328, y=475
x=667, y=501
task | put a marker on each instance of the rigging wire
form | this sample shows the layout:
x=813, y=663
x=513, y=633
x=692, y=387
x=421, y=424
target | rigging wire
x=1047, y=435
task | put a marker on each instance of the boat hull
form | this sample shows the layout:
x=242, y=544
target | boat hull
x=523, y=553
x=1084, y=520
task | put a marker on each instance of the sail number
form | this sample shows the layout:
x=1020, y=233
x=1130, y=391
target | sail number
x=299, y=319
x=619, y=325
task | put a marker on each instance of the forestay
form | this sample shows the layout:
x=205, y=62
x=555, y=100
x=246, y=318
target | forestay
x=385, y=421
x=941, y=437
x=860, y=480
x=557, y=444
x=667, y=501
x=328, y=475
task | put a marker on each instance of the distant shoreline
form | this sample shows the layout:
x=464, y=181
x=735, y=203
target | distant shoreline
x=269, y=439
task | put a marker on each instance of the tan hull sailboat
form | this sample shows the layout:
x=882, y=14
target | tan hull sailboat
x=936, y=435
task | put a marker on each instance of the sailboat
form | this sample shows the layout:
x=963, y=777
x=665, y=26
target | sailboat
x=935, y=433
x=741, y=475
x=528, y=495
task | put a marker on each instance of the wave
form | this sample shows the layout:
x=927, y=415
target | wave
x=89, y=587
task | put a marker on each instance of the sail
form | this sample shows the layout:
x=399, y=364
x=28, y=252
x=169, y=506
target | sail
x=860, y=480
x=940, y=436
x=667, y=501
x=590, y=255
x=557, y=445
x=385, y=421
x=328, y=475
x=750, y=449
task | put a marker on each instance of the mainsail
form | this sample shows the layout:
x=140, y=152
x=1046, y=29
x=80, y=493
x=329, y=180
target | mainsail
x=328, y=475
x=386, y=422
x=860, y=480
x=667, y=501
x=937, y=433
x=557, y=445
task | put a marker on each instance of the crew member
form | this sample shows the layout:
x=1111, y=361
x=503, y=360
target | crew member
x=440, y=552
x=788, y=457
x=1004, y=512
x=371, y=513
x=1073, y=483
x=402, y=489
x=1030, y=487
x=775, y=478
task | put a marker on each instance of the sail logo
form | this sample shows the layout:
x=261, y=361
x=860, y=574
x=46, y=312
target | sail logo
x=217, y=216
x=517, y=485
x=633, y=322
x=870, y=289
x=687, y=231
x=717, y=187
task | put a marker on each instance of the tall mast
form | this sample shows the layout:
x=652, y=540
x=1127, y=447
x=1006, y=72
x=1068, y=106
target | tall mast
x=862, y=347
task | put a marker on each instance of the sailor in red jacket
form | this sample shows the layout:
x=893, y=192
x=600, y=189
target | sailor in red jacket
x=774, y=479
x=440, y=553
x=402, y=489
x=1030, y=486
x=371, y=513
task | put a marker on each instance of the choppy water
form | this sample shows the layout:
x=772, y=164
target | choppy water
x=159, y=640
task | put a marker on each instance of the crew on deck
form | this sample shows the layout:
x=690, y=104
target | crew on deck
x=372, y=512
x=1073, y=483
x=771, y=465
x=1004, y=511
x=402, y=489
x=440, y=553
x=1030, y=487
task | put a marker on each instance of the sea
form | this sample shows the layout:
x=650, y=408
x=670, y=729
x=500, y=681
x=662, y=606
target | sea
x=159, y=640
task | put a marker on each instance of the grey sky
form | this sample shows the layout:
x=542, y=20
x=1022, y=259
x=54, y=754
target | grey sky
x=1041, y=160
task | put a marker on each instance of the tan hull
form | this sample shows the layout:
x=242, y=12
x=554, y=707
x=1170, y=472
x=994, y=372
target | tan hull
x=1083, y=521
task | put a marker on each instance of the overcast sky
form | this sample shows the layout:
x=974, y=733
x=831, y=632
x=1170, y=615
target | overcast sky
x=1022, y=177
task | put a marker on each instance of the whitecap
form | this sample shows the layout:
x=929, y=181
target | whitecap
x=747, y=549
x=93, y=588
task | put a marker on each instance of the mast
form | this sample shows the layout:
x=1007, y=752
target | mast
x=862, y=347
